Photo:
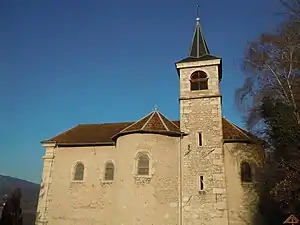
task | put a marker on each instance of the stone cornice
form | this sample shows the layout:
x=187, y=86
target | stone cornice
x=198, y=97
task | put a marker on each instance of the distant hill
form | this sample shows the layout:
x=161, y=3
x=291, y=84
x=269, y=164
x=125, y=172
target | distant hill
x=30, y=193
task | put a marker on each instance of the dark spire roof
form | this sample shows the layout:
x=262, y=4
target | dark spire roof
x=198, y=50
x=199, y=47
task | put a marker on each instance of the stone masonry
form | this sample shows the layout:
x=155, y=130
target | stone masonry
x=200, y=112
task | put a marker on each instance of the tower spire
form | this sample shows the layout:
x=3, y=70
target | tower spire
x=199, y=47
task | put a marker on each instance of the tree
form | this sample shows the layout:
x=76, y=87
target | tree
x=283, y=172
x=271, y=65
x=270, y=101
x=12, y=212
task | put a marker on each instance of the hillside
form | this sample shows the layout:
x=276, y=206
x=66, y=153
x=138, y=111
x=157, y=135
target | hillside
x=30, y=192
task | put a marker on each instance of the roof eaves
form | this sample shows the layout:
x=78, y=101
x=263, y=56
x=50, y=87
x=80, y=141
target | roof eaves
x=195, y=59
x=235, y=140
x=162, y=132
x=85, y=144
x=47, y=142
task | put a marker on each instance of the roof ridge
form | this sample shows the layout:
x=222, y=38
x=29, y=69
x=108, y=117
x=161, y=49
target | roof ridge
x=145, y=124
x=159, y=115
x=237, y=128
x=134, y=123
x=172, y=121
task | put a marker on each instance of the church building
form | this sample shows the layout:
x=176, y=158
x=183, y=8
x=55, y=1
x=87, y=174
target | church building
x=154, y=171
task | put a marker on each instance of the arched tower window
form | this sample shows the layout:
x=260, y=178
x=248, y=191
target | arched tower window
x=109, y=171
x=79, y=171
x=199, y=81
x=246, y=172
x=143, y=165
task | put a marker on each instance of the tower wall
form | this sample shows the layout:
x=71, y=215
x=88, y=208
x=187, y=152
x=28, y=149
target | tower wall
x=200, y=112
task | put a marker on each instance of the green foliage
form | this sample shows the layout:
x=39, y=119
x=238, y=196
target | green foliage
x=281, y=129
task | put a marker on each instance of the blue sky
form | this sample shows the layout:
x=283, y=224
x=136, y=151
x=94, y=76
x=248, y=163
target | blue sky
x=64, y=62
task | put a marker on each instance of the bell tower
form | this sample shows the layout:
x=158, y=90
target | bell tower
x=202, y=183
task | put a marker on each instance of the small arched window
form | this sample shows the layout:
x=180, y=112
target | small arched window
x=143, y=165
x=79, y=171
x=109, y=171
x=199, y=81
x=246, y=173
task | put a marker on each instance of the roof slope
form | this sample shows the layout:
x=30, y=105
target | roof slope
x=199, y=50
x=101, y=134
x=199, y=45
x=89, y=133
x=155, y=121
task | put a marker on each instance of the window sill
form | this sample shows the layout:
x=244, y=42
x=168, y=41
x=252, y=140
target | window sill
x=199, y=90
x=107, y=181
x=77, y=181
x=142, y=179
x=142, y=176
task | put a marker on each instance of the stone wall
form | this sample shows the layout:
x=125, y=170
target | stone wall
x=129, y=199
x=200, y=112
x=242, y=197
x=186, y=70
x=45, y=188
x=208, y=206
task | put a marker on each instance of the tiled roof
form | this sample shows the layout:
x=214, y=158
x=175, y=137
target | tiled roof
x=196, y=59
x=89, y=133
x=101, y=134
x=153, y=122
x=233, y=132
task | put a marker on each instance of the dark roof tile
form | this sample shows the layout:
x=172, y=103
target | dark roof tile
x=202, y=58
x=155, y=122
x=103, y=133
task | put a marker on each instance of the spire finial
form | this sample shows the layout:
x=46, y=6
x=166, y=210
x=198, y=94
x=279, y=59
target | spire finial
x=197, y=14
x=199, y=46
x=155, y=108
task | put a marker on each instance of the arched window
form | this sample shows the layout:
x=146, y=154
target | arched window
x=143, y=165
x=199, y=81
x=246, y=173
x=109, y=171
x=79, y=171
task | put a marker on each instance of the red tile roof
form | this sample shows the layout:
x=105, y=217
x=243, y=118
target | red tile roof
x=155, y=122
